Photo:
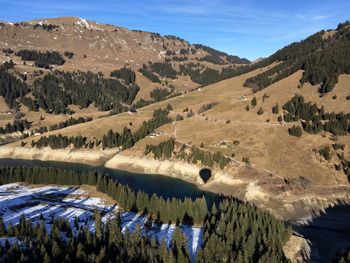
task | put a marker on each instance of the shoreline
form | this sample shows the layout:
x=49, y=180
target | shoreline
x=175, y=169
x=113, y=160
x=222, y=182
x=96, y=158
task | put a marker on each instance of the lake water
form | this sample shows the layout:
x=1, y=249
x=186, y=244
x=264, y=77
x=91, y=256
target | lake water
x=328, y=233
x=161, y=185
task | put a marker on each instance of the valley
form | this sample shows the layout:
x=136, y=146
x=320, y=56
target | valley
x=152, y=111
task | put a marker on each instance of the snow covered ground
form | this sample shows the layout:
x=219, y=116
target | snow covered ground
x=72, y=202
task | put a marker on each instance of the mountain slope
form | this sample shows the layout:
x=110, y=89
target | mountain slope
x=36, y=53
x=323, y=57
x=246, y=136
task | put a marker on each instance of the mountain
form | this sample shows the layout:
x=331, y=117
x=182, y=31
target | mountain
x=278, y=126
x=274, y=132
x=322, y=56
x=39, y=51
x=91, y=46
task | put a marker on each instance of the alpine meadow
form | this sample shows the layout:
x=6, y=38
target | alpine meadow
x=118, y=144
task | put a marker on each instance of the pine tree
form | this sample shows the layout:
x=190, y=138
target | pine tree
x=3, y=230
x=275, y=109
x=253, y=102
x=98, y=223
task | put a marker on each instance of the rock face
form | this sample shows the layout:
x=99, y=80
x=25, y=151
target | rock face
x=297, y=249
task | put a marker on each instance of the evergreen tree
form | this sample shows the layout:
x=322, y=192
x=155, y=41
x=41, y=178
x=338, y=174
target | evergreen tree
x=275, y=109
x=253, y=102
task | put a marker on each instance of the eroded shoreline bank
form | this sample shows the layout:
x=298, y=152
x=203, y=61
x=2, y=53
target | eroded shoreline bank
x=283, y=204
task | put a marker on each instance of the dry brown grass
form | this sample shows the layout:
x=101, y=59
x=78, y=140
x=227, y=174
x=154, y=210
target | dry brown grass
x=267, y=144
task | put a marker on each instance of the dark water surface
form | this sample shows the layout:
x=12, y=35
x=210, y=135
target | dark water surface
x=328, y=233
x=161, y=185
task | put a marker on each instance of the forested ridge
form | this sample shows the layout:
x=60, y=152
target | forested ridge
x=314, y=119
x=42, y=59
x=215, y=56
x=322, y=59
x=11, y=88
x=233, y=231
x=56, y=91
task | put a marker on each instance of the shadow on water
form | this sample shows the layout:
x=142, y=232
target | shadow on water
x=328, y=232
x=164, y=186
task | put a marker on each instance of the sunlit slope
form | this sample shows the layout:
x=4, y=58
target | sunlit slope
x=266, y=143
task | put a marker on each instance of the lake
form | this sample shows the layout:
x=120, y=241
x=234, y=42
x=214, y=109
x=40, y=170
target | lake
x=161, y=185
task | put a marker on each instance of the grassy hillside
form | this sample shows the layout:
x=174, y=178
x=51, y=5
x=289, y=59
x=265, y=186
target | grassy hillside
x=242, y=123
x=267, y=144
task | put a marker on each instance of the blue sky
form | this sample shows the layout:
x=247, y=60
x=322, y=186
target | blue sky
x=248, y=28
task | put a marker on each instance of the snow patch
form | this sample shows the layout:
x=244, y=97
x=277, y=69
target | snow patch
x=48, y=202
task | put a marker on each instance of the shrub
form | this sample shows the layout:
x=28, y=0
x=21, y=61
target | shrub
x=260, y=111
x=295, y=131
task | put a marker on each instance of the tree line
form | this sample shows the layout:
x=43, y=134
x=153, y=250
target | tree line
x=11, y=88
x=160, y=94
x=207, y=107
x=163, y=150
x=321, y=59
x=208, y=76
x=60, y=142
x=107, y=244
x=41, y=58
x=18, y=125
x=126, y=74
x=162, y=210
x=164, y=69
x=142, y=103
x=148, y=74
x=47, y=27
x=71, y=121
x=216, y=56
x=205, y=157
x=56, y=91
x=314, y=119
x=233, y=231
x=127, y=139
